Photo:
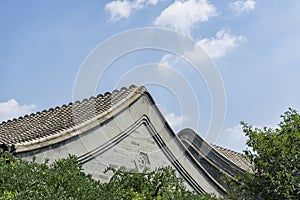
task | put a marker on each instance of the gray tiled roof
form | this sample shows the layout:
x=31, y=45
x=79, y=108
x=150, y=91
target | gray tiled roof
x=38, y=126
x=49, y=122
x=235, y=157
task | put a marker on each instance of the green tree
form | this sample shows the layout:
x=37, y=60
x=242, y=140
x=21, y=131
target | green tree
x=161, y=183
x=275, y=155
x=64, y=179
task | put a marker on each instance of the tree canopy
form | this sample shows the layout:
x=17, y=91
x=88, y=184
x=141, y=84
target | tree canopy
x=273, y=152
x=64, y=179
x=275, y=155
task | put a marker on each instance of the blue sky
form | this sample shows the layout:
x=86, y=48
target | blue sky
x=254, y=45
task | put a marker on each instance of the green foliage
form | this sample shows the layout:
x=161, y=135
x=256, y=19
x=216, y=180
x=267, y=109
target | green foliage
x=64, y=179
x=275, y=155
x=161, y=183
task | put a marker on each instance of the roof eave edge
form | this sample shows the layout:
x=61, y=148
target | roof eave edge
x=83, y=127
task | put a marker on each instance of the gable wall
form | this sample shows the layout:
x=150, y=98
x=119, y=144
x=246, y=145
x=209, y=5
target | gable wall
x=136, y=138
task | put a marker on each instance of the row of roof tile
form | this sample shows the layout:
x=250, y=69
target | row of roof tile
x=235, y=157
x=48, y=122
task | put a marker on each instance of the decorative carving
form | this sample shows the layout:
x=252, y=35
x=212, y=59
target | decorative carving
x=141, y=161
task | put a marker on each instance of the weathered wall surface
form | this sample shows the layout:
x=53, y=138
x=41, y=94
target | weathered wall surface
x=136, y=138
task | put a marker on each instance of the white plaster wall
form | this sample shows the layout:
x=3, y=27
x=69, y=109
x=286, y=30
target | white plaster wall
x=123, y=140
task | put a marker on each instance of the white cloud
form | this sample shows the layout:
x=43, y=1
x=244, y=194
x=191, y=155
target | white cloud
x=233, y=138
x=12, y=109
x=123, y=8
x=118, y=9
x=216, y=47
x=166, y=62
x=182, y=16
x=166, y=59
x=176, y=122
x=221, y=44
x=236, y=134
x=241, y=6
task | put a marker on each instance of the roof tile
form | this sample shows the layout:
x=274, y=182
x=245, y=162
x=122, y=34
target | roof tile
x=235, y=157
x=51, y=121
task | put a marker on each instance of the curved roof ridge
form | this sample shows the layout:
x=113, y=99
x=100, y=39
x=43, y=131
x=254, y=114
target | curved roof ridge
x=45, y=125
x=235, y=157
x=226, y=149
x=225, y=158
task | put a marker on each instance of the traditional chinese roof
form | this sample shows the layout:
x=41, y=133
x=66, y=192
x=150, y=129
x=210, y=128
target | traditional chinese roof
x=235, y=157
x=48, y=123
x=214, y=158
x=120, y=128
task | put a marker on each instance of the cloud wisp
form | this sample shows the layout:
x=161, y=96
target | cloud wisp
x=176, y=122
x=216, y=47
x=12, y=109
x=221, y=44
x=241, y=6
x=182, y=16
x=234, y=138
x=121, y=9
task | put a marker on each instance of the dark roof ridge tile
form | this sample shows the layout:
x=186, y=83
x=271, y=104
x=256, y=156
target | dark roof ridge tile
x=48, y=122
x=239, y=159
x=227, y=149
